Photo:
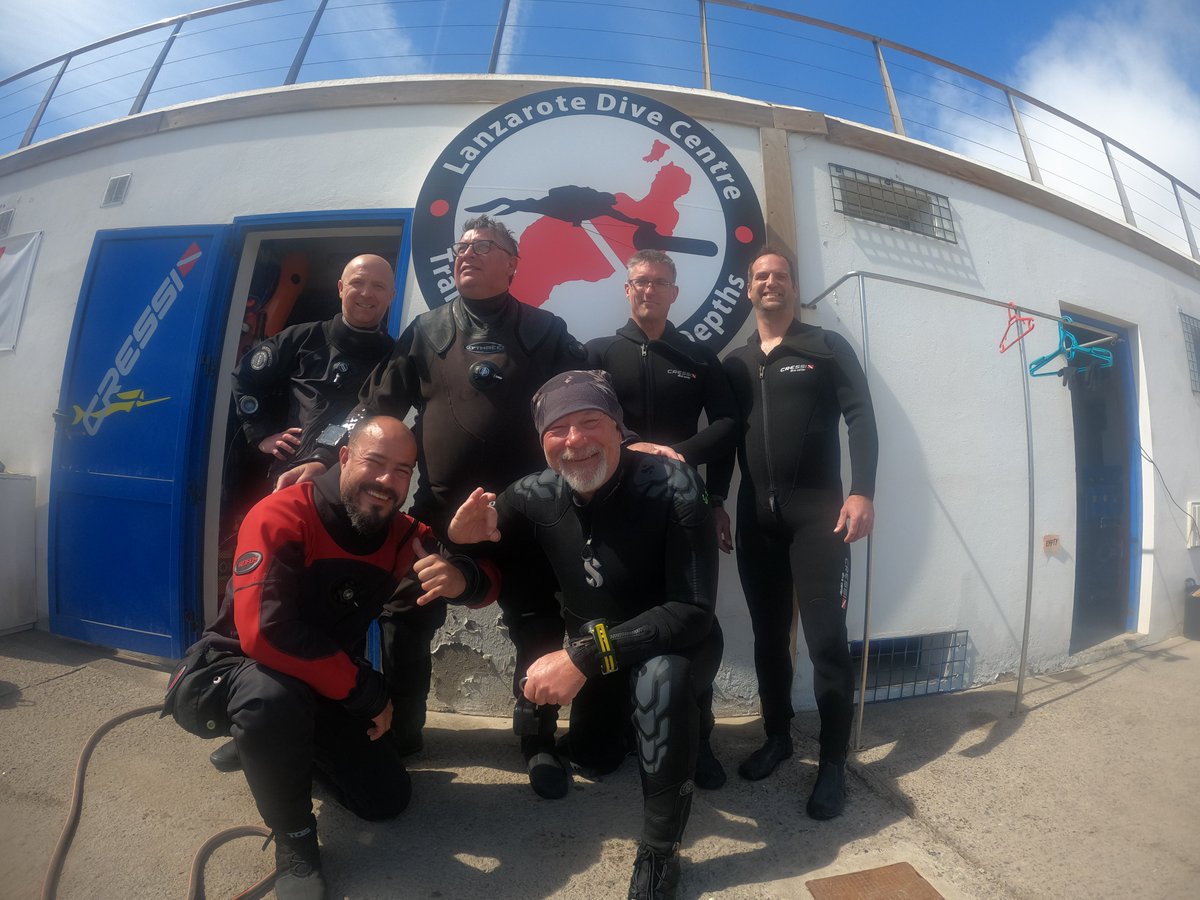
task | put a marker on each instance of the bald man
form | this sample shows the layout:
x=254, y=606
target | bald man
x=307, y=376
x=295, y=383
x=279, y=669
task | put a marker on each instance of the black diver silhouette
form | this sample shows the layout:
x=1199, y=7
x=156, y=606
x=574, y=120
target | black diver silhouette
x=575, y=204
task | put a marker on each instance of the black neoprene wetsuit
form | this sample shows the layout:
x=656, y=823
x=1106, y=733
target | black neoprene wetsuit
x=641, y=555
x=790, y=402
x=308, y=375
x=664, y=385
x=304, y=588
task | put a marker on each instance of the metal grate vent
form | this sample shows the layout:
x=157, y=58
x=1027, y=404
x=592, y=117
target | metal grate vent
x=878, y=199
x=118, y=187
x=1191, y=341
x=6, y=217
x=912, y=666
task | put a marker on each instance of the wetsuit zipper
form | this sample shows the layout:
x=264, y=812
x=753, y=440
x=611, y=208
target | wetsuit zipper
x=762, y=399
x=649, y=397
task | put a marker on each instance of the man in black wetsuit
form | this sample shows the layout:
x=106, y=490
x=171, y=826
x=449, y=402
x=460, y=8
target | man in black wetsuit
x=664, y=382
x=792, y=383
x=293, y=384
x=281, y=670
x=631, y=541
x=469, y=368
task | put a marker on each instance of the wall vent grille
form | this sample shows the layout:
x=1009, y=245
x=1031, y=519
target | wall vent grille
x=878, y=199
x=118, y=187
x=1191, y=342
x=901, y=667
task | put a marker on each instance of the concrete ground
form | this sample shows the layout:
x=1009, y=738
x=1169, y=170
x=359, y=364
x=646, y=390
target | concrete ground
x=1092, y=791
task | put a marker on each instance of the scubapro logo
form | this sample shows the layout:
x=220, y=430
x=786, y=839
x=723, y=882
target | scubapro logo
x=585, y=177
x=109, y=397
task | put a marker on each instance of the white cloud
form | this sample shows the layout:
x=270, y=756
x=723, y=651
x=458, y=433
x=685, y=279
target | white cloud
x=1126, y=68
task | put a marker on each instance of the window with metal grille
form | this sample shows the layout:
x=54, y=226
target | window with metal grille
x=879, y=199
x=1191, y=341
x=912, y=666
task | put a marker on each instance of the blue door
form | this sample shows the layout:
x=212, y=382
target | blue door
x=133, y=425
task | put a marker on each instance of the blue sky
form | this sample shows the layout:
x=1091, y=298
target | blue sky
x=1127, y=67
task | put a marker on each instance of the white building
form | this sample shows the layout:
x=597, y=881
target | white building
x=995, y=488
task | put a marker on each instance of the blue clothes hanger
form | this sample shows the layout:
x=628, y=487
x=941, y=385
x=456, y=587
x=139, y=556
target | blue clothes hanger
x=1069, y=348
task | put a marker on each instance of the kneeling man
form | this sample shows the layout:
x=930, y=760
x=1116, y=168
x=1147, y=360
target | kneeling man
x=630, y=539
x=281, y=668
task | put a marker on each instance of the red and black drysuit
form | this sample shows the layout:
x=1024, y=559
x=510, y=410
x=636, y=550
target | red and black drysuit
x=790, y=403
x=304, y=588
x=469, y=368
x=642, y=556
x=664, y=385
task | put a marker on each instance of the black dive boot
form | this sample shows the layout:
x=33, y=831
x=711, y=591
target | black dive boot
x=298, y=859
x=762, y=762
x=655, y=875
x=710, y=774
x=225, y=758
x=828, y=797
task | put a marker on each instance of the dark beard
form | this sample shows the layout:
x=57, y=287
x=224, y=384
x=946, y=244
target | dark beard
x=366, y=522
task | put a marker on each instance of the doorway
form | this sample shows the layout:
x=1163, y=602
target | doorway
x=286, y=276
x=1108, y=493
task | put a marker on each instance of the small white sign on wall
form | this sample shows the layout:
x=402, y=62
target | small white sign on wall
x=17, y=256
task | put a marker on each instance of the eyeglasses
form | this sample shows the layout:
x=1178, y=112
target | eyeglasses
x=482, y=247
x=643, y=284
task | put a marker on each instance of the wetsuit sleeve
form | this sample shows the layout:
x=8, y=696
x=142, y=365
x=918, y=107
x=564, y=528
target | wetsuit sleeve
x=717, y=439
x=720, y=469
x=595, y=353
x=854, y=398
x=568, y=353
x=269, y=575
x=260, y=386
x=685, y=616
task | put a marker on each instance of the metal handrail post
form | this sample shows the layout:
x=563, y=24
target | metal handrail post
x=1029, y=555
x=1116, y=174
x=1187, y=223
x=704, y=64
x=866, y=641
x=41, y=110
x=500, y=26
x=302, y=51
x=897, y=119
x=152, y=75
x=1026, y=147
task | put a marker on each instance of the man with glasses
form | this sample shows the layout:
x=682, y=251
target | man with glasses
x=469, y=368
x=664, y=382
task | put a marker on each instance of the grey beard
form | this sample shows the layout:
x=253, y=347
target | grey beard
x=586, y=484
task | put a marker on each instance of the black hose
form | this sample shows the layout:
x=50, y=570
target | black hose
x=196, y=880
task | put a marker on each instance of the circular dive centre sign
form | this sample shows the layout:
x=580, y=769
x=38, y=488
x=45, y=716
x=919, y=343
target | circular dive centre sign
x=585, y=177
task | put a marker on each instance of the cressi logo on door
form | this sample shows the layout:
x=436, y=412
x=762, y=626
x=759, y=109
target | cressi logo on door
x=110, y=397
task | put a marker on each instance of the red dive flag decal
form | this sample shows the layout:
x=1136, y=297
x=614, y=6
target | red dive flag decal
x=188, y=259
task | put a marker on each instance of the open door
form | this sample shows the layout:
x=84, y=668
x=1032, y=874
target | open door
x=1108, y=495
x=130, y=452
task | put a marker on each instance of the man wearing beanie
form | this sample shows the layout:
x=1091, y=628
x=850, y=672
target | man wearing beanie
x=630, y=538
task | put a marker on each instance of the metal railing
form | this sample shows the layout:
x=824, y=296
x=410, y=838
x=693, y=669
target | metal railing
x=739, y=48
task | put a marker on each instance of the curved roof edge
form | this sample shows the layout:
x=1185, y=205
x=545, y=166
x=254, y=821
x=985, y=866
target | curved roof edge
x=496, y=89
